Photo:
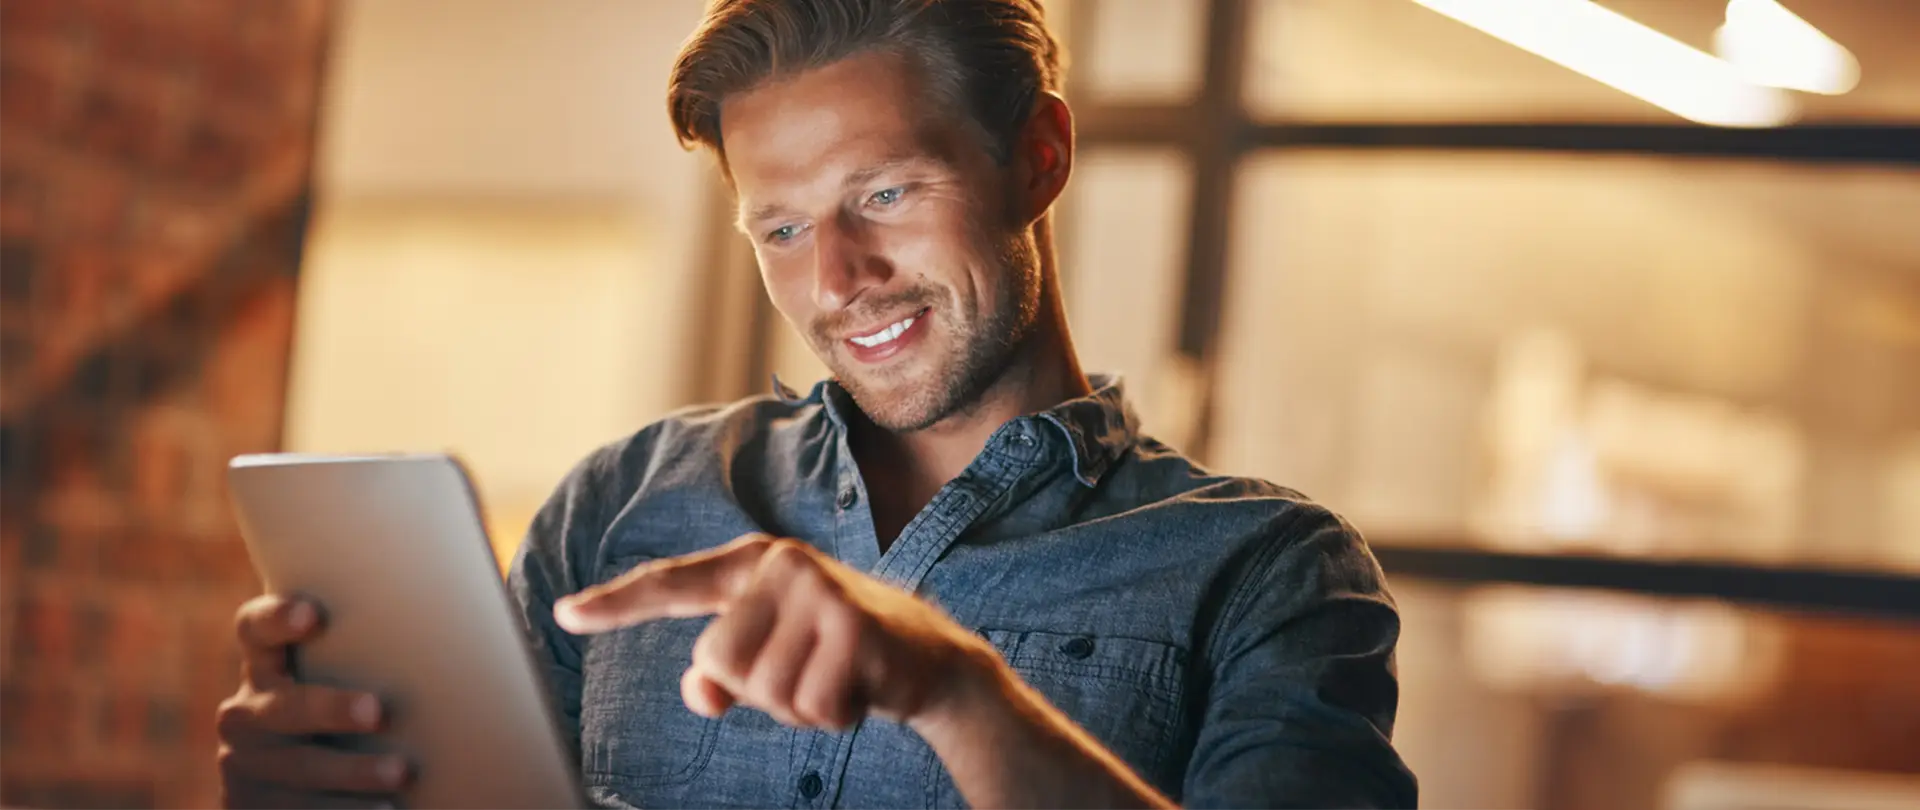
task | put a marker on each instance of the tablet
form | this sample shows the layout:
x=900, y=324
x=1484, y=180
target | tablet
x=416, y=611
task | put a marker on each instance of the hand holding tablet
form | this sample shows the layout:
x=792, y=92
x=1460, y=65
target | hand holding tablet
x=386, y=663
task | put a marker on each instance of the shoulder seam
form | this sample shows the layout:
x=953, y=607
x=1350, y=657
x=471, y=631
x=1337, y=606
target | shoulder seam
x=1257, y=568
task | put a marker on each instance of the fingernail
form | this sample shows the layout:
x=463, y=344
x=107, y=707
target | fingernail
x=391, y=770
x=366, y=711
x=300, y=616
x=566, y=613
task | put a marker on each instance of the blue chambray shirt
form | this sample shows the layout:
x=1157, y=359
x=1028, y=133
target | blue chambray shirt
x=1230, y=640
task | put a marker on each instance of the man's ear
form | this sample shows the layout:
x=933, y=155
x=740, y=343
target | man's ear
x=1043, y=154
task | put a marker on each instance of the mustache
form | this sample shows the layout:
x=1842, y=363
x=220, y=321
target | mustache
x=826, y=327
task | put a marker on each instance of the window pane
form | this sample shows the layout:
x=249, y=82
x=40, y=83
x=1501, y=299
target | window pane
x=1524, y=697
x=519, y=335
x=1395, y=60
x=1123, y=243
x=1138, y=50
x=1619, y=354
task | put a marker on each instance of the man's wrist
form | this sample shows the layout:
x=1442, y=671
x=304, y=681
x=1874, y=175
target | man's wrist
x=979, y=687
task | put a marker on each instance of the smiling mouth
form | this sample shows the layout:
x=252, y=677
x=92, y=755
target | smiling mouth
x=887, y=334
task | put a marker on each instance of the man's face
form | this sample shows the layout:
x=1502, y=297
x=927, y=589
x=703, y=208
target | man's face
x=886, y=234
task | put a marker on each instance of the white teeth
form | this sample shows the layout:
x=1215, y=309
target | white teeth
x=886, y=335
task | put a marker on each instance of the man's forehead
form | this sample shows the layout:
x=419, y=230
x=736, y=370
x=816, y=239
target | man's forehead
x=856, y=105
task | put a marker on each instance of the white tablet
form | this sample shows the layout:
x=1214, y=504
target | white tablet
x=394, y=550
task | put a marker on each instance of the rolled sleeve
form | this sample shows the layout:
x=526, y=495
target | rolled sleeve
x=1301, y=703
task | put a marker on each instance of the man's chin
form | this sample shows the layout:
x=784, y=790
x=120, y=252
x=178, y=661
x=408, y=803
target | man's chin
x=899, y=405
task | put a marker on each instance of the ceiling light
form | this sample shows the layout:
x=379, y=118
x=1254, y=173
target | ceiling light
x=1770, y=45
x=1623, y=54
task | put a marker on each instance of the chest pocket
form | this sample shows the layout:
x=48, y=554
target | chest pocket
x=635, y=731
x=1126, y=692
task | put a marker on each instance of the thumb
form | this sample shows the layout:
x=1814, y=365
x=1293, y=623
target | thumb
x=704, y=695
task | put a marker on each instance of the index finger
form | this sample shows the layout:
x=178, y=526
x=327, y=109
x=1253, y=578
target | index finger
x=678, y=587
x=268, y=626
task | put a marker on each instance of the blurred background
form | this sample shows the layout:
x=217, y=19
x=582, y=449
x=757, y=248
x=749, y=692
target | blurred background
x=1610, y=343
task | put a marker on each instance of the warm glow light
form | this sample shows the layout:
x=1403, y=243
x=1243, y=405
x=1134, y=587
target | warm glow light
x=1627, y=56
x=1770, y=45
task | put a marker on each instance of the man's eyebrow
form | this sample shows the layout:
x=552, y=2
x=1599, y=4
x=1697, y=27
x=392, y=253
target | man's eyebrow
x=867, y=175
x=858, y=177
x=764, y=211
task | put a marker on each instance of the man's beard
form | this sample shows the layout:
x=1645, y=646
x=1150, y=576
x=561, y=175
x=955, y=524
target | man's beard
x=978, y=354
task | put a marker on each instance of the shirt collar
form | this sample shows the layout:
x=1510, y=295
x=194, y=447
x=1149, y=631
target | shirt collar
x=826, y=392
x=1098, y=428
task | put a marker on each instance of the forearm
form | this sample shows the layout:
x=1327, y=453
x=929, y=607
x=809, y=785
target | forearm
x=1006, y=746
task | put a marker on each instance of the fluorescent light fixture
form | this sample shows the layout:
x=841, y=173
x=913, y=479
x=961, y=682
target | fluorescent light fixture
x=1770, y=45
x=1616, y=51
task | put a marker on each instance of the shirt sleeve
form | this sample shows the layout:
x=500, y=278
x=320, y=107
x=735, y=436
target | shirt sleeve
x=554, y=560
x=1301, y=704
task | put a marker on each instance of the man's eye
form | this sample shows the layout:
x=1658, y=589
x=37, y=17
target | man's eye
x=887, y=196
x=783, y=233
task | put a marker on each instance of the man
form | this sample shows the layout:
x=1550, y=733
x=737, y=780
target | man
x=955, y=573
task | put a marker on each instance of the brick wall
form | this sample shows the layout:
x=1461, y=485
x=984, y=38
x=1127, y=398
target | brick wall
x=153, y=184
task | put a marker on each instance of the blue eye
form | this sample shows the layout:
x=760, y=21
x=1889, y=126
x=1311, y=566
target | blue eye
x=783, y=233
x=888, y=196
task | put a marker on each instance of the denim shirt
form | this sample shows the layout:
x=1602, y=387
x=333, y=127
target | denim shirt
x=1228, y=639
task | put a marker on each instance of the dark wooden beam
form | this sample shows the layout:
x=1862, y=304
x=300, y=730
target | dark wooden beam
x=1802, y=588
x=1118, y=124
x=1215, y=143
x=1173, y=125
x=1811, y=143
x=1214, y=137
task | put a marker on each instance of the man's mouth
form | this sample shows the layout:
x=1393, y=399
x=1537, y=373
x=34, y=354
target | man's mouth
x=887, y=334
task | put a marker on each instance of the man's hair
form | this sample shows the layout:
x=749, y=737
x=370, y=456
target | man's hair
x=987, y=57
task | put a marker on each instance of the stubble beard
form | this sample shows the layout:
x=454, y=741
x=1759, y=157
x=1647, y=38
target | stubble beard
x=978, y=353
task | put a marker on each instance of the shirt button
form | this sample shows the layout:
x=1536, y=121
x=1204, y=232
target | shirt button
x=1079, y=647
x=810, y=785
x=1023, y=440
x=848, y=497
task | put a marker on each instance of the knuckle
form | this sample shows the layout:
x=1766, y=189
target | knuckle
x=291, y=709
x=845, y=621
x=732, y=660
x=880, y=669
x=250, y=613
x=785, y=555
x=766, y=679
x=360, y=773
x=326, y=703
x=710, y=652
x=324, y=708
x=234, y=716
x=814, y=586
x=815, y=705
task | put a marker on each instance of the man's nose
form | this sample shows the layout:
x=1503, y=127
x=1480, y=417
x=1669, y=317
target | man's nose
x=845, y=264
